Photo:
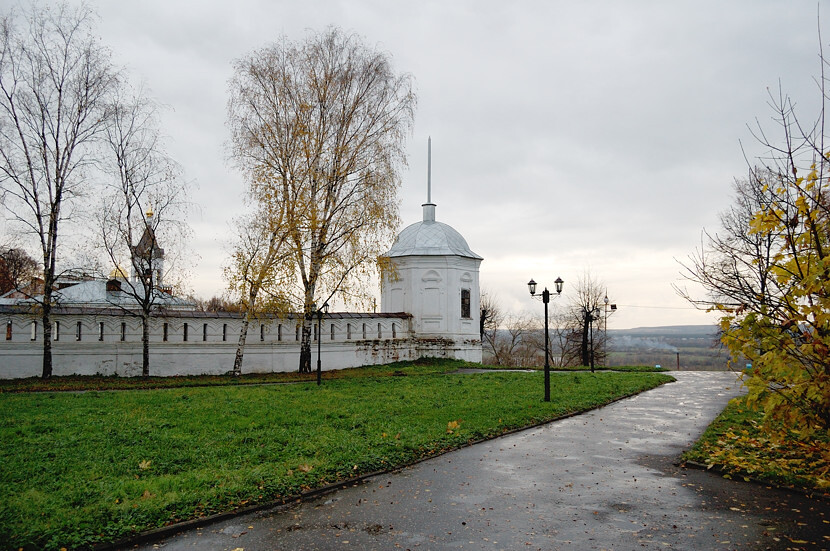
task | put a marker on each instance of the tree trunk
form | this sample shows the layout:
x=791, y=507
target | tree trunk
x=145, y=345
x=586, y=356
x=47, y=335
x=240, y=347
x=305, y=345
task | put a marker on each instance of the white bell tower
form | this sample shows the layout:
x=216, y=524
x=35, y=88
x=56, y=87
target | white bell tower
x=435, y=277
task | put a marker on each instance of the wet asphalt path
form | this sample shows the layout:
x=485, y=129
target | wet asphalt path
x=601, y=480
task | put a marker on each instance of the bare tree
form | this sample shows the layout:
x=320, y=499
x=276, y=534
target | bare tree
x=560, y=335
x=586, y=314
x=18, y=270
x=736, y=264
x=320, y=125
x=214, y=304
x=491, y=319
x=509, y=339
x=55, y=79
x=145, y=202
x=516, y=342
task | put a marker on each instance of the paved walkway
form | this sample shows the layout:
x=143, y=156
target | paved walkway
x=602, y=480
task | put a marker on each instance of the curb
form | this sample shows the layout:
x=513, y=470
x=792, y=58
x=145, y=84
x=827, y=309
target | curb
x=173, y=529
x=742, y=477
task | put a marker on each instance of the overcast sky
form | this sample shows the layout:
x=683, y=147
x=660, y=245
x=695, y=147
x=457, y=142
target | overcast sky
x=567, y=137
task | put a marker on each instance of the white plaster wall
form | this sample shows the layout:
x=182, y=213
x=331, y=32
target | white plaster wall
x=22, y=357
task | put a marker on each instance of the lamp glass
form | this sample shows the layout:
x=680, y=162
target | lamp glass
x=559, y=284
x=532, y=286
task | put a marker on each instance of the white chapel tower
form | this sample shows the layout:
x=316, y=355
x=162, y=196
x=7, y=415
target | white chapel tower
x=435, y=278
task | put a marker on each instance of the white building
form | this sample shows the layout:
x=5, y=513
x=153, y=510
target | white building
x=434, y=277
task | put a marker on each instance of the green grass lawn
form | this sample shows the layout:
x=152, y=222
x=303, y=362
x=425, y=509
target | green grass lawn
x=424, y=366
x=81, y=468
x=625, y=368
x=736, y=445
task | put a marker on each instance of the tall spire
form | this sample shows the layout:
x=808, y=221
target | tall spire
x=429, y=206
x=429, y=169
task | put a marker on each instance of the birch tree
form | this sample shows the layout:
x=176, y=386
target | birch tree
x=326, y=119
x=259, y=270
x=145, y=202
x=55, y=79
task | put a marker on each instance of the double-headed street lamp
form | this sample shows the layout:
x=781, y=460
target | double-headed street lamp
x=323, y=309
x=545, y=296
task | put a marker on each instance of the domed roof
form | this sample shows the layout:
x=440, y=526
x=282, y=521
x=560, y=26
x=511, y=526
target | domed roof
x=430, y=238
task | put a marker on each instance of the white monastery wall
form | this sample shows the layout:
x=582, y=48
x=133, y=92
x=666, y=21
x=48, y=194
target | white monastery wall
x=348, y=340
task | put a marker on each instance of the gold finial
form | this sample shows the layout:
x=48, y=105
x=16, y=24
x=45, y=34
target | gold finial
x=149, y=212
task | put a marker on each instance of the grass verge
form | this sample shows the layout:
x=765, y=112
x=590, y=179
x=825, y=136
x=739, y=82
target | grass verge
x=623, y=368
x=735, y=444
x=75, y=383
x=85, y=468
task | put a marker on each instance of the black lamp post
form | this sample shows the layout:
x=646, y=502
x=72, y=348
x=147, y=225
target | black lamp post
x=592, y=316
x=320, y=312
x=545, y=296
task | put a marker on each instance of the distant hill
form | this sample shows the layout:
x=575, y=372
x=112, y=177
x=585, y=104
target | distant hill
x=670, y=330
x=692, y=346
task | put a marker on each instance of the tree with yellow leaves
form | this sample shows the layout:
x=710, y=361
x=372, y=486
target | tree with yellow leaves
x=259, y=270
x=319, y=127
x=768, y=274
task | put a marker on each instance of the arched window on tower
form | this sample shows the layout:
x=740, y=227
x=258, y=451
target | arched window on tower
x=465, y=303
